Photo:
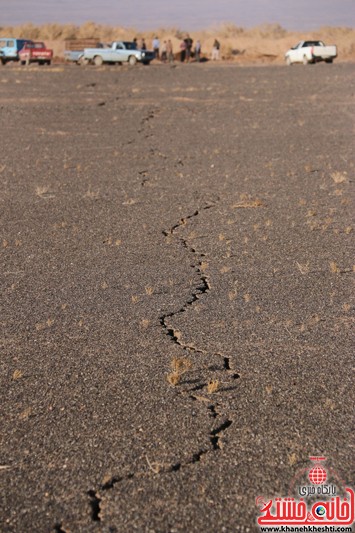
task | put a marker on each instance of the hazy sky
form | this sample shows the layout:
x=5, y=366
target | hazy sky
x=185, y=14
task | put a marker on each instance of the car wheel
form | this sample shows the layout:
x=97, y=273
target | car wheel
x=98, y=61
x=305, y=60
x=329, y=60
x=288, y=61
x=22, y=62
x=83, y=61
x=132, y=60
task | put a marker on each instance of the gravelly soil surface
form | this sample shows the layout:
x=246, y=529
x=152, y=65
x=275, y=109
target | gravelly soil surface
x=199, y=212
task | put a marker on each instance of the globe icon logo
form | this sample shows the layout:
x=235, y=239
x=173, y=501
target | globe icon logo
x=320, y=510
x=317, y=475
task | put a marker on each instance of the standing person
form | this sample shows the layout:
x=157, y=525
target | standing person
x=170, y=51
x=143, y=45
x=164, y=50
x=198, y=51
x=182, y=51
x=188, y=42
x=156, y=46
x=215, y=50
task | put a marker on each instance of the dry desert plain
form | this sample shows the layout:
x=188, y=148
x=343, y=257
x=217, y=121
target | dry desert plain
x=175, y=302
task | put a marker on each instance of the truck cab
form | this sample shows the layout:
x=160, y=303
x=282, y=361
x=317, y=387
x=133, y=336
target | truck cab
x=10, y=48
x=35, y=52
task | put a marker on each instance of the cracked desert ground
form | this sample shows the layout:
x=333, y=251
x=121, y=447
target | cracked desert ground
x=176, y=300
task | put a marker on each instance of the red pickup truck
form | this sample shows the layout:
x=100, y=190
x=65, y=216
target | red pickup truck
x=35, y=52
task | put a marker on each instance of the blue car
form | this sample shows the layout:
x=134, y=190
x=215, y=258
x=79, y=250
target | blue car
x=10, y=47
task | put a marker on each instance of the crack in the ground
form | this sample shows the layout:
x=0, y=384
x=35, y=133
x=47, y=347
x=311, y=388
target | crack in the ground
x=215, y=434
x=58, y=528
x=95, y=505
x=150, y=115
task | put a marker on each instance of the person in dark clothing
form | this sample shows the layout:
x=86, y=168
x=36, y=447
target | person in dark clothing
x=188, y=43
x=215, y=49
x=182, y=51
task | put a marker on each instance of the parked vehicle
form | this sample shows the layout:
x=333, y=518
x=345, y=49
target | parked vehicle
x=119, y=52
x=35, y=52
x=74, y=52
x=311, y=52
x=10, y=48
x=73, y=56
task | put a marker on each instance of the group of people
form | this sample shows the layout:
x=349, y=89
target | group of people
x=164, y=51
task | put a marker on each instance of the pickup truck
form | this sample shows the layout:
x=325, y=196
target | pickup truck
x=119, y=52
x=35, y=52
x=10, y=48
x=311, y=52
x=75, y=49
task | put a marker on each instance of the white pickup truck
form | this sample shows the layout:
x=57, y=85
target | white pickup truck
x=119, y=52
x=311, y=52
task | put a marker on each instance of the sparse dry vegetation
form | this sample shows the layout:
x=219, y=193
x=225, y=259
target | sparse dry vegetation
x=173, y=378
x=179, y=366
x=261, y=44
x=248, y=203
x=149, y=290
x=17, y=375
x=212, y=386
x=339, y=177
x=334, y=268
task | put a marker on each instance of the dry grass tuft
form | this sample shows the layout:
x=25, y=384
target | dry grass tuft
x=339, y=177
x=248, y=204
x=17, y=375
x=203, y=266
x=155, y=467
x=43, y=192
x=334, y=268
x=232, y=295
x=174, y=378
x=92, y=194
x=25, y=414
x=179, y=365
x=304, y=269
x=292, y=459
x=212, y=386
x=149, y=290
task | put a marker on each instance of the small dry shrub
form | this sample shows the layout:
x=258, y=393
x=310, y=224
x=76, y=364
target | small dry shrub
x=212, y=386
x=179, y=365
x=173, y=378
